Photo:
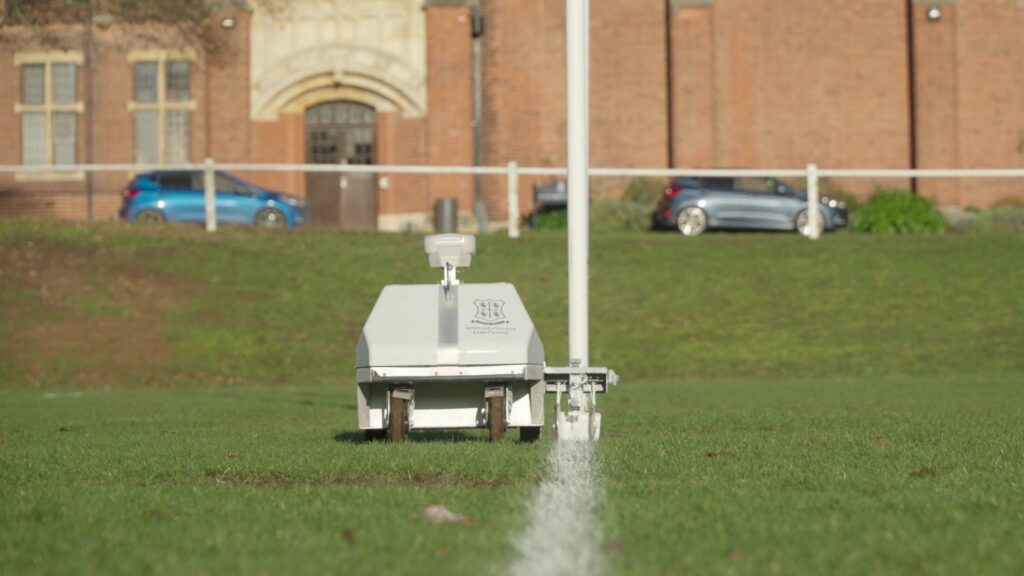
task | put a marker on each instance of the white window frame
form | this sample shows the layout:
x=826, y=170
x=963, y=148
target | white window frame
x=162, y=106
x=48, y=108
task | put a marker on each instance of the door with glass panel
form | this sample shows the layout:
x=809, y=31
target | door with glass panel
x=342, y=132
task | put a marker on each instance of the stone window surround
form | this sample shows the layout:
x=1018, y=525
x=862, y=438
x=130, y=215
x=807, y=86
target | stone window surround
x=48, y=107
x=162, y=106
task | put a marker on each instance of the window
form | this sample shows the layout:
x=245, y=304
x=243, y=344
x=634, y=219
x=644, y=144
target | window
x=162, y=105
x=48, y=107
x=230, y=185
x=763, y=186
x=180, y=180
x=756, y=185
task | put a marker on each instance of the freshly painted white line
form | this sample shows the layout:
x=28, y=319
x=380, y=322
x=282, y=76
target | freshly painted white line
x=563, y=536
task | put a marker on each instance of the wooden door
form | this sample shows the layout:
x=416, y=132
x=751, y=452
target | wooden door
x=342, y=133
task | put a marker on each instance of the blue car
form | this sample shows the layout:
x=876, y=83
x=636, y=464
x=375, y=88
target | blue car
x=693, y=205
x=177, y=196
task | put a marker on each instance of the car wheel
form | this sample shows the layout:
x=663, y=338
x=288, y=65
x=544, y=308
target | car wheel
x=270, y=218
x=150, y=217
x=803, y=224
x=692, y=221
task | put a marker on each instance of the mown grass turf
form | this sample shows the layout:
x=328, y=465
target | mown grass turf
x=920, y=475
x=173, y=402
x=251, y=481
x=866, y=476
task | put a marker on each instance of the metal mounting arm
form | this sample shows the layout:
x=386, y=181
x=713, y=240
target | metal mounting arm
x=449, y=252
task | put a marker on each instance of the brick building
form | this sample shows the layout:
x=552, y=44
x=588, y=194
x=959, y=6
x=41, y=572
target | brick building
x=674, y=83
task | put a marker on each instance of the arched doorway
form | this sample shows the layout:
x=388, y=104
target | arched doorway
x=342, y=132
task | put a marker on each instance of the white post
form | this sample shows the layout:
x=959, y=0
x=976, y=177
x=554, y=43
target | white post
x=577, y=23
x=813, y=211
x=210, y=195
x=513, y=199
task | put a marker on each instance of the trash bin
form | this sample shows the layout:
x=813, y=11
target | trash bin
x=446, y=216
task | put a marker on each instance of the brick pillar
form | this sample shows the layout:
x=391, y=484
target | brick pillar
x=693, y=85
x=229, y=136
x=450, y=99
x=989, y=96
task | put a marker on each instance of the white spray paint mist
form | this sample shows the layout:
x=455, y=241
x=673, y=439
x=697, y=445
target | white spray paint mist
x=563, y=536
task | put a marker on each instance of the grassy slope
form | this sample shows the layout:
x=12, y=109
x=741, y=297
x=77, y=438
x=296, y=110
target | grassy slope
x=272, y=309
x=899, y=448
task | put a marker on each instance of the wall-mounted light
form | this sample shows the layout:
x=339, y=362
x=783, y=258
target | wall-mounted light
x=934, y=13
x=228, y=23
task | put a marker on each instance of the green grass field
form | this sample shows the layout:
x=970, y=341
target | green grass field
x=173, y=402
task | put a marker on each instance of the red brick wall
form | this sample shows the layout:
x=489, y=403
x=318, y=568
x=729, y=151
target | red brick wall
x=935, y=93
x=990, y=96
x=280, y=142
x=768, y=83
x=801, y=81
x=693, y=87
x=34, y=197
x=450, y=100
x=402, y=141
x=226, y=109
x=628, y=91
x=222, y=131
x=524, y=92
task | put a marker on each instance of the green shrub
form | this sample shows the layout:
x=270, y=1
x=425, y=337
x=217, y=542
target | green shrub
x=553, y=220
x=605, y=215
x=619, y=215
x=645, y=191
x=1005, y=219
x=897, y=212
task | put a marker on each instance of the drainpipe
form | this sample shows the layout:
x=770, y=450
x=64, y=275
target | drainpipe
x=87, y=81
x=479, y=206
x=670, y=111
x=912, y=93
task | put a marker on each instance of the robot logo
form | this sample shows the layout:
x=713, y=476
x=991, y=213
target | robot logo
x=490, y=312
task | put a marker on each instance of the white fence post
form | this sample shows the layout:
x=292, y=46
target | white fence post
x=813, y=211
x=210, y=195
x=513, y=199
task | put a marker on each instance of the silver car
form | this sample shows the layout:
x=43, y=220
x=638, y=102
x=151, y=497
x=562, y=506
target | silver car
x=693, y=205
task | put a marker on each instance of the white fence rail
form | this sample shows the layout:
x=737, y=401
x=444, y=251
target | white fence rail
x=512, y=171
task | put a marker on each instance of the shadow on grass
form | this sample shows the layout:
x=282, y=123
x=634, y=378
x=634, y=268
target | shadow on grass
x=358, y=437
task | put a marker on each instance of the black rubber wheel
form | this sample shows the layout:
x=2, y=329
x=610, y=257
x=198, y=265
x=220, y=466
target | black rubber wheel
x=496, y=417
x=270, y=218
x=529, y=434
x=375, y=435
x=398, y=426
x=150, y=216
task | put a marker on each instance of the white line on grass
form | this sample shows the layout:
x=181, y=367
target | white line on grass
x=563, y=537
